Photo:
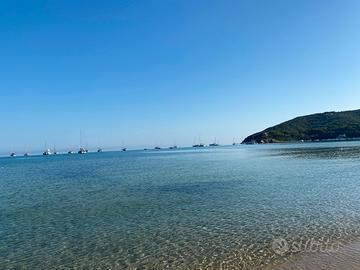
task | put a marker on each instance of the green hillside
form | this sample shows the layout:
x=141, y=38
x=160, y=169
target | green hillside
x=321, y=126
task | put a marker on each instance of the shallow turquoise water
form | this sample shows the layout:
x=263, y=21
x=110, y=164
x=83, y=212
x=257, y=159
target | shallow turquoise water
x=180, y=209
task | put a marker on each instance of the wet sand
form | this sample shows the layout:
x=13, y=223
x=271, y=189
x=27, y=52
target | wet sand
x=346, y=258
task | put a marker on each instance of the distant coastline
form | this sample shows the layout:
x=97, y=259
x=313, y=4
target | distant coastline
x=320, y=127
x=308, y=141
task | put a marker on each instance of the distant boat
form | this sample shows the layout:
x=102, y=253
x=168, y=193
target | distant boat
x=157, y=148
x=214, y=143
x=123, y=148
x=198, y=145
x=99, y=150
x=82, y=150
x=173, y=147
x=47, y=152
x=12, y=155
x=145, y=149
x=70, y=152
x=26, y=154
x=234, y=142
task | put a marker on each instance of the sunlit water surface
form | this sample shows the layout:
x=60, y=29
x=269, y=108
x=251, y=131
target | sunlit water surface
x=213, y=208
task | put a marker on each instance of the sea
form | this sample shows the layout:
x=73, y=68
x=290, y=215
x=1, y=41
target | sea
x=226, y=207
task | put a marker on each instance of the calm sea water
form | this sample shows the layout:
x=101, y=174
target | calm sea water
x=214, y=208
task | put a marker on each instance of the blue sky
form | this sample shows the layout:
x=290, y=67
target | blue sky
x=145, y=73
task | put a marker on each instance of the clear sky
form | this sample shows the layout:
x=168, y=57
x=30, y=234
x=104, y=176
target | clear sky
x=145, y=73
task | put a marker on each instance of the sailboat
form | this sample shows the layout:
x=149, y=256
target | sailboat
x=200, y=144
x=99, y=150
x=234, y=142
x=13, y=155
x=47, y=152
x=123, y=148
x=26, y=154
x=82, y=150
x=174, y=146
x=214, y=143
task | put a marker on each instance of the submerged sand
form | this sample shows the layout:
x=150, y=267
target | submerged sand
x=346, y=258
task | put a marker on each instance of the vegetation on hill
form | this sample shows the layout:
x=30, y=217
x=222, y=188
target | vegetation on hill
x=320, y=126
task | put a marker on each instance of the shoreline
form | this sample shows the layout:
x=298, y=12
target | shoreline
x=345, y=258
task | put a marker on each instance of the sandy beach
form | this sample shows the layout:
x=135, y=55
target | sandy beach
x=346, y=258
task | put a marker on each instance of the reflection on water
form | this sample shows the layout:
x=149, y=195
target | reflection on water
x=180, y=209
x=325, y=152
